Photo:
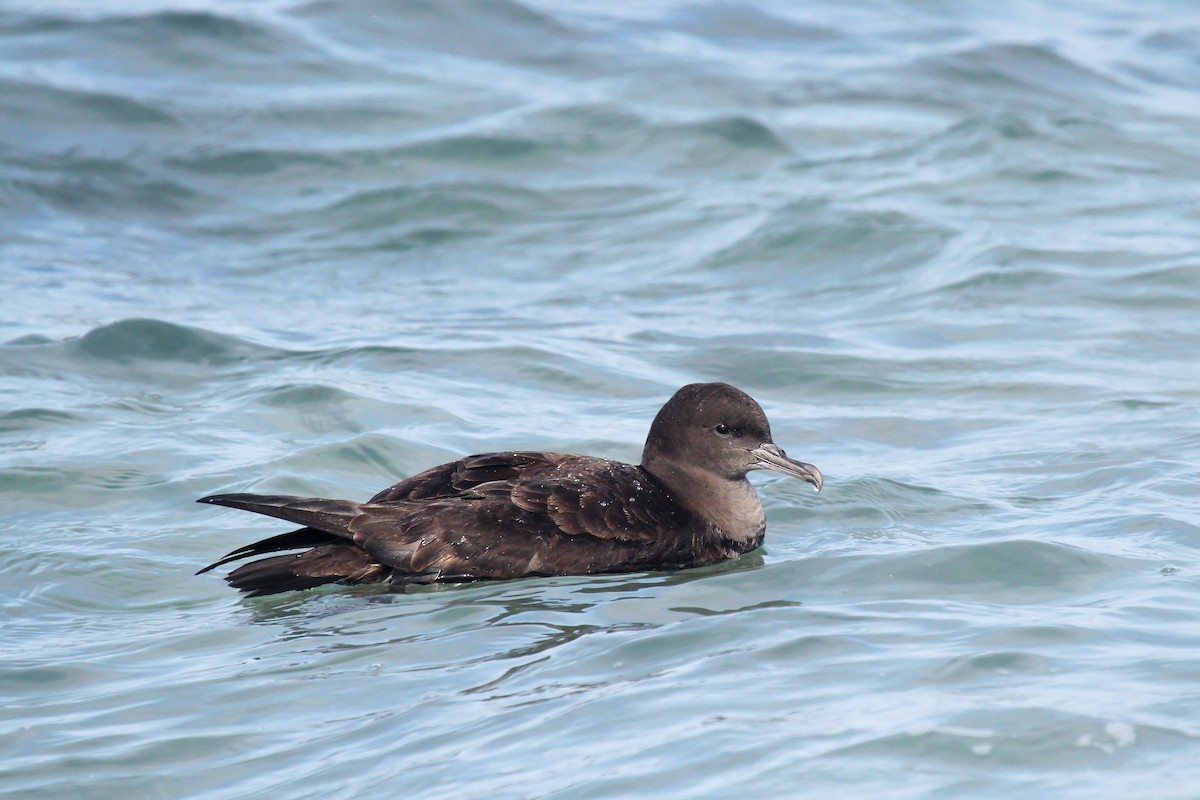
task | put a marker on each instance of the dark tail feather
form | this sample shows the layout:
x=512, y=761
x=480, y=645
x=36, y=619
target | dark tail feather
x=328, y=563
x=331, y=516
x=329, y=558
x=293, y=540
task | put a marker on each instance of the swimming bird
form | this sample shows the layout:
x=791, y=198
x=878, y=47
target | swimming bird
x=521, y=514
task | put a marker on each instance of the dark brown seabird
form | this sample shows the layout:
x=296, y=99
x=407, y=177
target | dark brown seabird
x=522, y=514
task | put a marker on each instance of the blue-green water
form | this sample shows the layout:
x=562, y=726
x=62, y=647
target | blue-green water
x=313, y=247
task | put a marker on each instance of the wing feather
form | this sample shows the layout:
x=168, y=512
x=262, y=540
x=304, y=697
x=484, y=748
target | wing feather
x=495, y=515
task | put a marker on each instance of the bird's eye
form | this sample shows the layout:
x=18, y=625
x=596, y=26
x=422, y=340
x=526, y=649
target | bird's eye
x=722, y=429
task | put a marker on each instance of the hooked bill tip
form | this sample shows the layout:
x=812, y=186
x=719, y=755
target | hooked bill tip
x=770, y=456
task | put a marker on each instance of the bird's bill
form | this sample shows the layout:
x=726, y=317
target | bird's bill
x=770, y=456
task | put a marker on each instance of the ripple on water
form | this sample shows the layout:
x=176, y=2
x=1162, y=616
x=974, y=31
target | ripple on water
x=314, y=246
x=154, y=340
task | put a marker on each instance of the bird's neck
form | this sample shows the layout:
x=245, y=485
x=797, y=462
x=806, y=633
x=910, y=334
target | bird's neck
x=730, y=507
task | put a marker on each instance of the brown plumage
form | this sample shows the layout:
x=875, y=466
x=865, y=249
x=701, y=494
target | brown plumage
x=518, y=514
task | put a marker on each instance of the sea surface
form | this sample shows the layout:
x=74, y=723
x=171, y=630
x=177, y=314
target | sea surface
x=312, y=247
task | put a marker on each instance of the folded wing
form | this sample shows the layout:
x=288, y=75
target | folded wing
x=496, y=515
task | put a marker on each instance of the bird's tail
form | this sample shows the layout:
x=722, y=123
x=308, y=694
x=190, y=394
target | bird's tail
x=328, y=563
x=330, y=516
x=328, y=557
x=293, y=540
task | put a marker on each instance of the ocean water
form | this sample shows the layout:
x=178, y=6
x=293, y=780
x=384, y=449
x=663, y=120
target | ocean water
x=312, y=247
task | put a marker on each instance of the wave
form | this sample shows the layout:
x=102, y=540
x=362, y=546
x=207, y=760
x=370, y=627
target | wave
x=1030, y=73
x=155, y=340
